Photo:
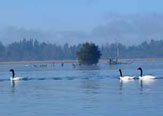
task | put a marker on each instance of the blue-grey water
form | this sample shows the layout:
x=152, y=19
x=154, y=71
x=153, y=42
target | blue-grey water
x=53, y=90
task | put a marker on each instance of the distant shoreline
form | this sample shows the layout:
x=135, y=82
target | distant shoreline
x=75, y=61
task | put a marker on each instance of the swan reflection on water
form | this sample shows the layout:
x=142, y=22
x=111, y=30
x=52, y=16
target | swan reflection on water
x=142, y=83
x=122, y=83
x=145, y=83
x=12, y=83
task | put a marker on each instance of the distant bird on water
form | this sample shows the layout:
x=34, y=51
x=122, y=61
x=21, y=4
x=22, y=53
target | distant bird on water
x=62, y=64
x=125, y=78
x=145, y=77
x=13, y=78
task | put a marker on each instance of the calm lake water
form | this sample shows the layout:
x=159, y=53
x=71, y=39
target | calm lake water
x=83, y=91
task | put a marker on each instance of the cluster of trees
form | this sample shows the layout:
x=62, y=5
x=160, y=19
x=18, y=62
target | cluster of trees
x=152, y=49
x=35, y=50
x=89, y=54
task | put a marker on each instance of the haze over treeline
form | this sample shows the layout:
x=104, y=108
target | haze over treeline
x=35, y=50
x=126, y=29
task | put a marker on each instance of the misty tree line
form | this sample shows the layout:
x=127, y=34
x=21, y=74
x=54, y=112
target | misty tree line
x=35, y=50
x=152, y=49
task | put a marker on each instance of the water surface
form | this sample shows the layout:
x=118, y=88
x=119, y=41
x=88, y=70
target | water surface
x=81, y=91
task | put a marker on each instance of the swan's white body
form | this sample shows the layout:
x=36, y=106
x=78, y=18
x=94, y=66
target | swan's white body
x=15, y=78
x=147, y=77
x=126, y=78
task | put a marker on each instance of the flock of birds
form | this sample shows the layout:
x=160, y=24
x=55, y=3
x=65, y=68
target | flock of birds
x=122, y=78
x=141, y=76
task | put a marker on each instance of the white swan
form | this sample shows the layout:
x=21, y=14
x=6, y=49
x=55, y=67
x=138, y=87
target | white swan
x=125, y=78
x=146, y=77
x=13, y=78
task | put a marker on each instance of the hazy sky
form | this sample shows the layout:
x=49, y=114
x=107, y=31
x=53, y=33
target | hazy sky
x=70, y=15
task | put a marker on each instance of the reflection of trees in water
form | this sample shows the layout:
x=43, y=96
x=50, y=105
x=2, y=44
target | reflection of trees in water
x=88, y=67
x=90, y=89
x=90, y=86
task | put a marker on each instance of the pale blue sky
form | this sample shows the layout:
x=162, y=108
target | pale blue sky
x=65, y=15
x=78, y=21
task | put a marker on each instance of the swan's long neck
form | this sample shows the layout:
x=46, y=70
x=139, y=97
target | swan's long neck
x=120, y=72
x=13, y=74
x=141, y=72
